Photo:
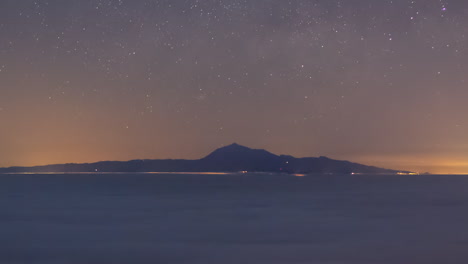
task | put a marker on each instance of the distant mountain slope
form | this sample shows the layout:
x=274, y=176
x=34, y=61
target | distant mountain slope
x=239, y=158
x=230, y=158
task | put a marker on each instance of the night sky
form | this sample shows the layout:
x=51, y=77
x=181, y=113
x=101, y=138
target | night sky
x=373, y=81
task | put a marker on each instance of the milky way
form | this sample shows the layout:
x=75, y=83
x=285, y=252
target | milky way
x=378, y=82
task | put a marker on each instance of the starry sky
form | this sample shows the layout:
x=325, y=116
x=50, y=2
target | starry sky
x=377, y=82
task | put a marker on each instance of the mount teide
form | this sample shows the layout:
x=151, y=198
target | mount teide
x=232, y=158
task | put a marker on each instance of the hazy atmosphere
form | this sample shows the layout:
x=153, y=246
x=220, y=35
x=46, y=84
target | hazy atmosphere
x=377, y=82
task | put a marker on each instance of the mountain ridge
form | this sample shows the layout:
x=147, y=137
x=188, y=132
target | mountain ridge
x=230, y=158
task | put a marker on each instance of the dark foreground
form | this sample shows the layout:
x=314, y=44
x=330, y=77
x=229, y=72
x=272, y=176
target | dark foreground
x=231, y=219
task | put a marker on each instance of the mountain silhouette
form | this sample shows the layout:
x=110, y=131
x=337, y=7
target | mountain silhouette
x=239, y=158
x=232, y=158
